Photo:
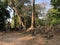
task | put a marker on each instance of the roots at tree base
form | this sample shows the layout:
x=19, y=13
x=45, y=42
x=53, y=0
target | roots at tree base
x=29, y=29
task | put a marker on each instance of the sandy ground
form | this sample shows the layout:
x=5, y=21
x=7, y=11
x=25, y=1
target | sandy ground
x=16, y=38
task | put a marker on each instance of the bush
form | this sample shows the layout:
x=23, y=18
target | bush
x=39, y=22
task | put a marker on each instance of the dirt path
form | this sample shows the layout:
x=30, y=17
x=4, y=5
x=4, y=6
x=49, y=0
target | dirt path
x=24, y=39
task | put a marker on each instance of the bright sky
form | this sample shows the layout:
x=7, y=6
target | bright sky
x=40, y=1
x=48, y=6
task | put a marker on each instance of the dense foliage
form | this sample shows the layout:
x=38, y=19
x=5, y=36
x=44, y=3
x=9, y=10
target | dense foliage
x=55, y=3
x=54, y=13
x=4, y=15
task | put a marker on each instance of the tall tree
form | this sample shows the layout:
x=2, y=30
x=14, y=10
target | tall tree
x=18, y=8
x=33, y=14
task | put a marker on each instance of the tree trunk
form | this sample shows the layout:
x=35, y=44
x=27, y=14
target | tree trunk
x=17, y=13
x=33, y=16
x=19, y=18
